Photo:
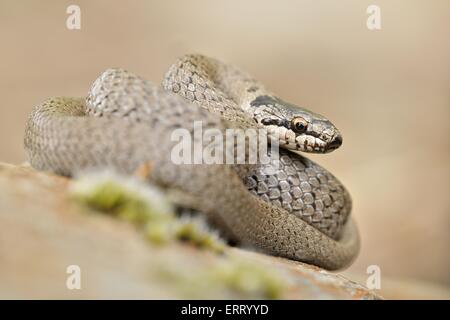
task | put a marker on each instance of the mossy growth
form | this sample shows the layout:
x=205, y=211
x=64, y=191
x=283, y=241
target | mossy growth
x=125, y=198
x=143, y=205
x=249, y=279
x=195, y=231
x=236, y=277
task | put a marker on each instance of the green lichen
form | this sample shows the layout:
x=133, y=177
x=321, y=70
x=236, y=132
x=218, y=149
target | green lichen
x=249, y=279
x=196, y=232
x=159, y=232
x=230, y=277
x=127, y=199
x=143, y=205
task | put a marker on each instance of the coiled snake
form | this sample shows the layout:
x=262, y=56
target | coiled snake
x=289, y=207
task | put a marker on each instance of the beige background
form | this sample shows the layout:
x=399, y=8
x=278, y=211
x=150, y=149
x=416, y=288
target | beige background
x=387, y=91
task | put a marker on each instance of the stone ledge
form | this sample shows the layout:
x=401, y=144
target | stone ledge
x=42, y=232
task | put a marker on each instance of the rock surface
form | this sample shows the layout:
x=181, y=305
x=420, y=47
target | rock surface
x=42, y=232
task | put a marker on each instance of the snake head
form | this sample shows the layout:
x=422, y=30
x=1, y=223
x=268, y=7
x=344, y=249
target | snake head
x=295, y=128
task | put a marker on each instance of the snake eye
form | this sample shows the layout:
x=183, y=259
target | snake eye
x=299, y=125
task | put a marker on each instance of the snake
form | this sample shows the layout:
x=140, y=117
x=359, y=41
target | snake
x=289, y=207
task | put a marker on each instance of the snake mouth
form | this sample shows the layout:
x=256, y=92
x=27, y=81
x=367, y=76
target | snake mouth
x=287, y=139
x=308, y=143
x=305, y=142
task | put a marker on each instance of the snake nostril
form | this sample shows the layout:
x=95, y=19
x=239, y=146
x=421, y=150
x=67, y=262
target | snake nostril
x=336, y=142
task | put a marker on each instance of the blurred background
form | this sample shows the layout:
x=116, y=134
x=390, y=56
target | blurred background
x=387, y=91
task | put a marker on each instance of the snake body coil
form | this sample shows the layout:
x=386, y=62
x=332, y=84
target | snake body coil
x=292, y=208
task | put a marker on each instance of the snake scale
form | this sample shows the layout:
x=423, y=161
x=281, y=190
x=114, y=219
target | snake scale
x=289, y=207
